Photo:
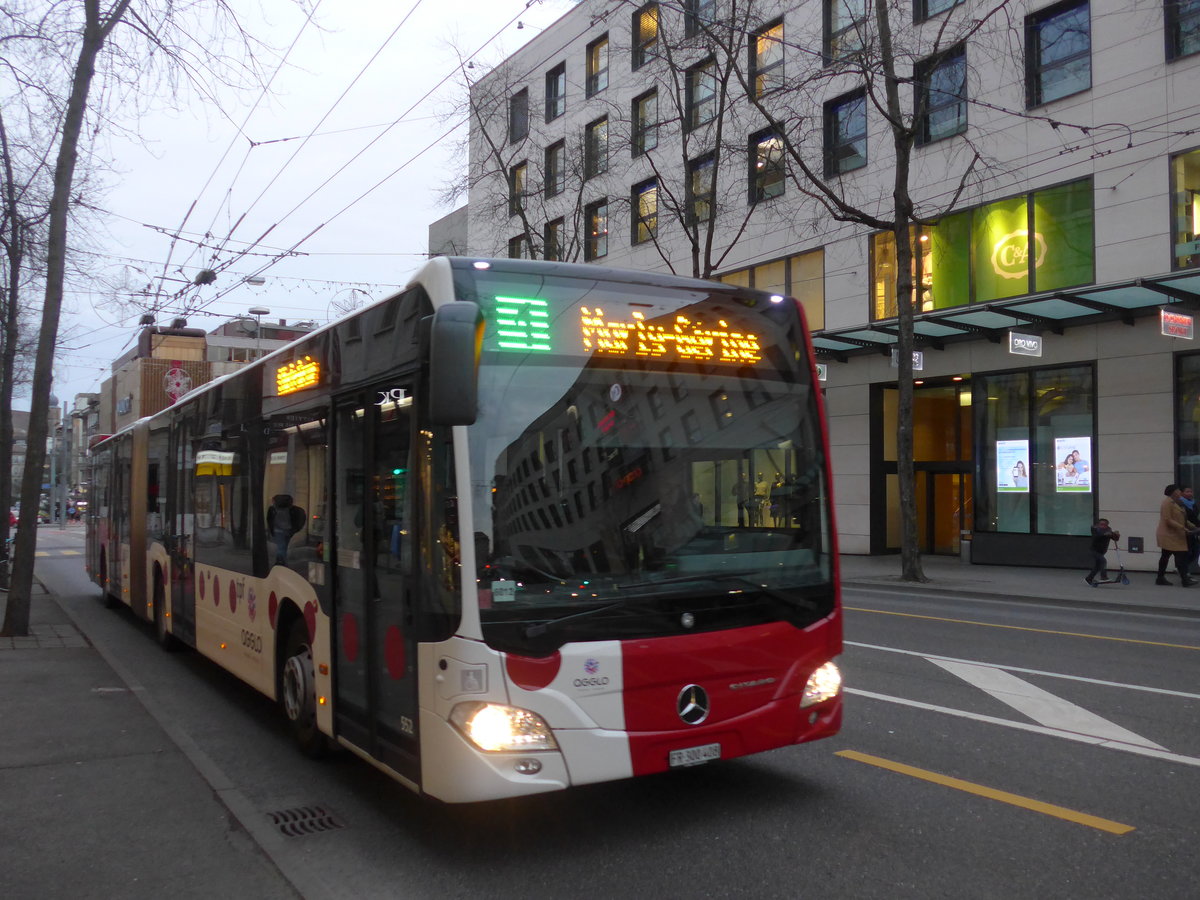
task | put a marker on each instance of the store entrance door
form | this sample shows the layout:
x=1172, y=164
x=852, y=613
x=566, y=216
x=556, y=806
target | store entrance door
x=943, y=467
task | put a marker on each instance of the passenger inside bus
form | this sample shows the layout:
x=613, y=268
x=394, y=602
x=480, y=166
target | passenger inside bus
x=284, y=521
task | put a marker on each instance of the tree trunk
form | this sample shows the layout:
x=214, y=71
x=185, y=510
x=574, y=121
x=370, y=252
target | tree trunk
x=902, y=142
x=95, y=32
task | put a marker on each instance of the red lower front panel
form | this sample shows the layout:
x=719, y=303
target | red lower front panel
x=739, y=689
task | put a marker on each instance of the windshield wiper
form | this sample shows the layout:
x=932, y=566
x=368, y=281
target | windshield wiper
x=532, y=631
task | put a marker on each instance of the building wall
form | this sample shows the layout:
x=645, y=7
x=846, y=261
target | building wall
x=1139, y=110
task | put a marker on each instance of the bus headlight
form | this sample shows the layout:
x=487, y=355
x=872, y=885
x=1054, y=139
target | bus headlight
x=496, y=728
x=823, y=685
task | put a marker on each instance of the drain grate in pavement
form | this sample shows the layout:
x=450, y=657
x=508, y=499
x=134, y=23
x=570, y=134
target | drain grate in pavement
x=301, y=820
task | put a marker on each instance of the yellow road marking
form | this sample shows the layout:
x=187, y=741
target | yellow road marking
x=1095, y=637
x=1049, y=809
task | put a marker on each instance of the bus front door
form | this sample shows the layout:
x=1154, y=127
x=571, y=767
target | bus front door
x=376, y=689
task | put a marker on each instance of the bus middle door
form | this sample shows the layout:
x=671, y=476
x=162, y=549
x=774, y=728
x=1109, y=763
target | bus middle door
x=374, y=592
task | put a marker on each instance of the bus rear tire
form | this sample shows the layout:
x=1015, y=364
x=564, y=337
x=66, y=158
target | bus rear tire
x=297, y=694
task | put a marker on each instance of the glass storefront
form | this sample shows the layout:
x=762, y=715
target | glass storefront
x=1037, y=468
x=942, y=462
x=1040, y=241
x=1187, y=417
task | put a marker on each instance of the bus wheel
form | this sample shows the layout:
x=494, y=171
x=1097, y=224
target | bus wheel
x=298, y=694
x=165, y=639
x=110, y=602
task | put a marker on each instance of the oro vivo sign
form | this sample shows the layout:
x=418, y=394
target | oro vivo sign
x=1024, y=344
x=1177, y=324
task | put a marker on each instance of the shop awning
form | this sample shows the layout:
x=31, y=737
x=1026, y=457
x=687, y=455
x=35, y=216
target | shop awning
x=1052, y=312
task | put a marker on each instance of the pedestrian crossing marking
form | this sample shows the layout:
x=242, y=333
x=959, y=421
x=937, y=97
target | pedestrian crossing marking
x=1041, y=706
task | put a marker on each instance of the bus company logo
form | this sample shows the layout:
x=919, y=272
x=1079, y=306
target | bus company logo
x=591, y=668
x=1010, y=254
x=252, y=604
x=177, y=381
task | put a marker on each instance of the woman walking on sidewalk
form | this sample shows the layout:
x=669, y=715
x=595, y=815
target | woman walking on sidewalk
x=1172, y=536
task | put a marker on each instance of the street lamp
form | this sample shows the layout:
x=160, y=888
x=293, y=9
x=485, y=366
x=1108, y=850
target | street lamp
x=258, y=312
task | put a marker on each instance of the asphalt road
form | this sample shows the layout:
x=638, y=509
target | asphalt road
x=990, y=749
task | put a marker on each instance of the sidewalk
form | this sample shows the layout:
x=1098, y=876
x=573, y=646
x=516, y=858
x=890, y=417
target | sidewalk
x=948, y=574
x=99, y=800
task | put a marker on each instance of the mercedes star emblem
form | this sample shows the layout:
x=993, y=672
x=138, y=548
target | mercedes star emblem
x=692, y=704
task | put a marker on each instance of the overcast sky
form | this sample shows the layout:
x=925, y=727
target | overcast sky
x=381, y=140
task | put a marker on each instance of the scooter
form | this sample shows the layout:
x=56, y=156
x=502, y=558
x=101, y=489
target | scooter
x=1119, y=577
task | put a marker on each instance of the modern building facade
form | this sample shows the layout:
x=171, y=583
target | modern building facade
x=1055, y=170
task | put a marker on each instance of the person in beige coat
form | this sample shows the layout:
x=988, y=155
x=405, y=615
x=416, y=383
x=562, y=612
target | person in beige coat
x=1172, y=536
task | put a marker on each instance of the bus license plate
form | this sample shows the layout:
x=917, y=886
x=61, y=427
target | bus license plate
x=694, y=756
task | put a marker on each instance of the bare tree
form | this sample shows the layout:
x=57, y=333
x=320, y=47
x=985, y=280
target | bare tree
x=164, y=40
x=874, y=47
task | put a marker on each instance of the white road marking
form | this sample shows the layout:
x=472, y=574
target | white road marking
x=1036, y=729
x=1042, y=706
x=1117, y=684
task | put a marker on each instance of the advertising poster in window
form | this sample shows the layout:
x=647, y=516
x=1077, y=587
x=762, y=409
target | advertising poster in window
x=1012, y=467
x=1073, y=465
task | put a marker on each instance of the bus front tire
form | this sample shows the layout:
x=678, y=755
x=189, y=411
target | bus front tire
x=298, y=691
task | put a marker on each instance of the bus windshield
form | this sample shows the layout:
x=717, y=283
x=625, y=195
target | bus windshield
x=647, y=461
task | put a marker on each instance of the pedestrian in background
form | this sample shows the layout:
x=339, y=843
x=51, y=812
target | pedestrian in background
x=1172, y=536
x=1101, y=535
x=1188, y=501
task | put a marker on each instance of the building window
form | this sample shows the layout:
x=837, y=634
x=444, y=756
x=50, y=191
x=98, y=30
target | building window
x=518, y=116
x=597, y=65
x=595, y=148
x=516, y=187
x=767, y=169
x=766, y=59
x=845, y=27
x=518, y=248
x=595, y=216
x=1058, y=52
x=645, y=123
x=1037, y=242
x=645, y=34
x=1183, y=27
x=698, y=15
x=556, y=159
x=700, y=188
x=552, y=237
x=941, y=96
x=701, y=94
x=1042, y=418
x=801, y=276
x=846, y=133
x=556, y=91
x=645, y=205
x=926, y=9
x=1185, y=200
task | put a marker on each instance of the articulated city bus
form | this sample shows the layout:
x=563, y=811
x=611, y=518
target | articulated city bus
x=522, y=526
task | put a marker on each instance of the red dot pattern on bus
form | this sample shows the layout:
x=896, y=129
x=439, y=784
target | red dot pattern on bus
x=203, y=579
x=232, y=597
x=350, y=637
x=216, y=591
x=272, y=609
x=393, y=652
x=532, y=674
x=310, y=619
